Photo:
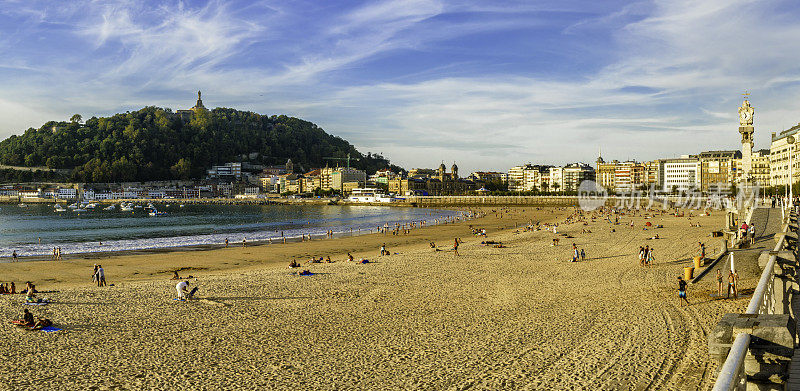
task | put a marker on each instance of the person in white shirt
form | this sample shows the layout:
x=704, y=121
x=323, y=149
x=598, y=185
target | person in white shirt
x=183, y=289
x=101, y=276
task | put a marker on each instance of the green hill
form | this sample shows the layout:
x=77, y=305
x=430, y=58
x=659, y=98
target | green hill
x=155, y=144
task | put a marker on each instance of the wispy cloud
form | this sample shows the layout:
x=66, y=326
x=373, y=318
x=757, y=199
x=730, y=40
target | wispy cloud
x=488, y=84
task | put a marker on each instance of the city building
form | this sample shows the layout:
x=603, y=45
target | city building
x=718, y=170
x=226, y=171
x=441, y=183
x=760, y=172
x=679, y=175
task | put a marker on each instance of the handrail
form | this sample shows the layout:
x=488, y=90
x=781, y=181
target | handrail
x=765, y=281
x=731, y=376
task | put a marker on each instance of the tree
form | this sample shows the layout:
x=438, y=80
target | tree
x=76, y=118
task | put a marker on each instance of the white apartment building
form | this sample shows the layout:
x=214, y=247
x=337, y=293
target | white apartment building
x=779, y=151
x=682, y=174
x=516, y=178
x=66, y=193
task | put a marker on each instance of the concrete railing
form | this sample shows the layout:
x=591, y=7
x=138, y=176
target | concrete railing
x=766, y=328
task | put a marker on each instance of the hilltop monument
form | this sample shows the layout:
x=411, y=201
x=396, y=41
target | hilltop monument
x=186, y=115
x=746, y=130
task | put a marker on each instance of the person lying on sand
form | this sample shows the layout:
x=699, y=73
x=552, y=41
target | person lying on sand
x=304, y=273
x=293, y=264
x=654, y=237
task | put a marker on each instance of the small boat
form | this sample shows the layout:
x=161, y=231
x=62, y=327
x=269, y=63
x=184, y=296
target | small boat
x=91, y=206
x=22, y=206
x=110, y=207
x=59, y=208
x=154, y=213
x=182, y=206
x=73, y=206
x=126, y=208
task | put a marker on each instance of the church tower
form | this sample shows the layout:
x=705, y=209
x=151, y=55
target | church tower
x=746, y=130
x=454, y=169
x=199, y=104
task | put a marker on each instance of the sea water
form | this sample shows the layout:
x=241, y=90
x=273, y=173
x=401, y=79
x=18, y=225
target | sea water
x=37, y=229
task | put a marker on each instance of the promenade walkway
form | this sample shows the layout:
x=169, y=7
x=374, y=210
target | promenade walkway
x=768, y=223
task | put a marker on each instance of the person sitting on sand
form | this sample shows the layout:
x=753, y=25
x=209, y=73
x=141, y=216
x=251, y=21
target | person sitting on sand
x=328, y=259
x=175, y=275
x=183, y=289
x=13, y=288
x=27, y=318
x=293, y=264
x=433, y=245
x=30, y=297
x=349, y=257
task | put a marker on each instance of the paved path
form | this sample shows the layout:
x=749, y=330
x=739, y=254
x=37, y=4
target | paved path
x=767, y=222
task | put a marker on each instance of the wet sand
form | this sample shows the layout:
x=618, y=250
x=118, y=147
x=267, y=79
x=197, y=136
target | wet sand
x=518, y=317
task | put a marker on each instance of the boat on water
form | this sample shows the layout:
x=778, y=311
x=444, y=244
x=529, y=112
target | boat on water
x=182, y=206
x=110, y=207
x=22, y=206
x=58, y=208
x=91, y=206
x=126, y=207
x=73, y=206
x=154, y=213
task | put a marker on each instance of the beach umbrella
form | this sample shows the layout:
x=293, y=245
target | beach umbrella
x=733, y=269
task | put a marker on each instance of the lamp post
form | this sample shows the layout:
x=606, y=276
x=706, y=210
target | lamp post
x=790, y=140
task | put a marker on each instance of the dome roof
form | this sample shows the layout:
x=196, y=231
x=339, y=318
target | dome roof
x=455, y=167
x=442, y=167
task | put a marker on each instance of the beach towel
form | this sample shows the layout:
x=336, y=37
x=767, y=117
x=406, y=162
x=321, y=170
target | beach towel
x=50, y=329
x=42, y=303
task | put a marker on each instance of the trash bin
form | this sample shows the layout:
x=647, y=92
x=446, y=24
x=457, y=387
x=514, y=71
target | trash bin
x=688, y=273
x=698, y=261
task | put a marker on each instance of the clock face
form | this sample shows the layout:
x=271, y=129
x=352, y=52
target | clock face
x=745, y=115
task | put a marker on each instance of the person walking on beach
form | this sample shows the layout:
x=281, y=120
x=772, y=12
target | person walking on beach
x=94, y=274
x=226, y=242
x=101, y=276
x=455, y=247
x=682, y=292
x=719, y=282
x=583, y=255
x=641, y=256
x=14, y=255
x=58, y=254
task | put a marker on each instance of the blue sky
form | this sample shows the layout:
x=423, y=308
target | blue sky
x=487, y=84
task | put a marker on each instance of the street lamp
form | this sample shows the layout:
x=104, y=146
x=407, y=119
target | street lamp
x=790, y=140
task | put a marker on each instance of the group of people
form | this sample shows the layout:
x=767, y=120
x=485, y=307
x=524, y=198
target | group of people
x=57, y=254
x=99, y=275
x=577, y=255
x=646, y=256
x=8, y=289
x=32, y=322
x=733, y=282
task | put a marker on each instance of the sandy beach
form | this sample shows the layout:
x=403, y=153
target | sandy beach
x=517, y=317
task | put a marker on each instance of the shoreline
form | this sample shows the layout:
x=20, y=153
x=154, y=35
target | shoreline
x=461, y=217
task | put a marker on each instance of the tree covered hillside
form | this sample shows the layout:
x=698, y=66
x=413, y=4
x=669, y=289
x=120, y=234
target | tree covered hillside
x=155, y=144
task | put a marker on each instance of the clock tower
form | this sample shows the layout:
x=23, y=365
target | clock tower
x=746, y=130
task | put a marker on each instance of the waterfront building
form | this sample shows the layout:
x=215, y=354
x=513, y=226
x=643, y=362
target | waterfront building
x=679, y=175
x=718, y=170
x=779, y=151
x=66, y=193
x=760, y=171
x=419, y=182
x=516, y=177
